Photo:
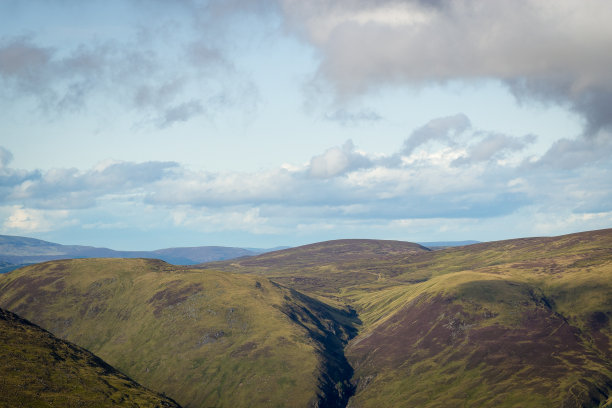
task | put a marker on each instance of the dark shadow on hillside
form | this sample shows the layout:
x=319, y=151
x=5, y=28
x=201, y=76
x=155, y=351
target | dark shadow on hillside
x=331, y=329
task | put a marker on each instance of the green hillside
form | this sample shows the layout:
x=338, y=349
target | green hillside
x=204, y=338
x=39, y=370
x=359, y=323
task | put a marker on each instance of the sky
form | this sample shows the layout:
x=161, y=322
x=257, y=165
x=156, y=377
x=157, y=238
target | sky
x=146, y=124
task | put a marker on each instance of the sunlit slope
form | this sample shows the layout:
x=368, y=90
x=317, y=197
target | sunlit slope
x=324, y=267
x=39, y=370
x=510, y=323
x=204, y=338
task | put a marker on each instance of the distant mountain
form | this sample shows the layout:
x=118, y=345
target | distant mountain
x=447, y=244
x=39, y=370
x=15, y=251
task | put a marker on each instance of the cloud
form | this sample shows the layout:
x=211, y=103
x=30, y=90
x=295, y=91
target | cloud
x=551, y=51
x=494, y=145
x=337, y=160
x=571, y=154
x=62, y=80
x=6, y=157
x=165, y=76
x=74, y=189
x=24, y=220
x=181, y=113
x=348, y=118
x=440, y=129
x=446, y=169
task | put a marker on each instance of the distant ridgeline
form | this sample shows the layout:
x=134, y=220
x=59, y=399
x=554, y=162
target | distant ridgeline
x=19, y=251
x=359, y=323
x=447, y=244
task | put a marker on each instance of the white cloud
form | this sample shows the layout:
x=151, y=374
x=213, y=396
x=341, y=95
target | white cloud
x=341, y=186
x=24, y=220
x=227, y=219
x=337, y=160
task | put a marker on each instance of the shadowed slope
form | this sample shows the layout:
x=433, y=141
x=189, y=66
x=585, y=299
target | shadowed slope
x=39, y=370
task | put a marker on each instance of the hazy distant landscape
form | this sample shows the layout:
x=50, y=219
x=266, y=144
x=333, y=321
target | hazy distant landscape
x=16, y=251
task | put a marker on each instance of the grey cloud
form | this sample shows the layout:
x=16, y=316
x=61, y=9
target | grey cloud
x=181, y=113
x=62, y=81
x=71, y=188
x=572, y=154
x=20, y=60
x=494, y=145
x=130, y=72
x=552, y=51
x=203, y=56
x=441, y=129
x=345, y=117
x=6, y=157
x=592, y=101
x=157, y=95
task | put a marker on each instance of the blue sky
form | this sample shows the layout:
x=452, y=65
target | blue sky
x=147, y=124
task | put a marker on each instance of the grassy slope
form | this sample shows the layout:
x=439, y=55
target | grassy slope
x=39, y=370
x=511, y=323
x=204, y=338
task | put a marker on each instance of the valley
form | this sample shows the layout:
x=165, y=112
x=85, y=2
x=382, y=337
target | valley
x=357, y=323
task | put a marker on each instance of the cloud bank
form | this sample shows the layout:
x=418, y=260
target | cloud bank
x=446, y=169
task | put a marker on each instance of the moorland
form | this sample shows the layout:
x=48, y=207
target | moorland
x=358, y=323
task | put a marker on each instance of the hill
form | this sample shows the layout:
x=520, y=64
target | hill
x=359, y=323
x=523, y=322
x=39, y=370
x=204, y=338
x=16, y=250
x=324, y=267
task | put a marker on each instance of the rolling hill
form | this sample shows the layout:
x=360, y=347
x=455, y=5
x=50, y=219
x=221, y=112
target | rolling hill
x=324, y=267
x=39, y=370
x=358, y=323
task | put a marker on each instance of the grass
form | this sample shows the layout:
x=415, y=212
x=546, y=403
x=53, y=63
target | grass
x=226, y=333
x=40, y=370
